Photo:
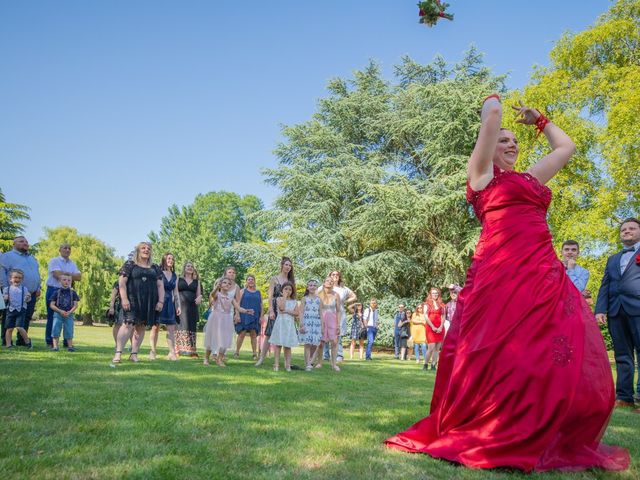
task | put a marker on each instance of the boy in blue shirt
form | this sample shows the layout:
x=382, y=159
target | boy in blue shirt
x=16, y=297
x=63, y=304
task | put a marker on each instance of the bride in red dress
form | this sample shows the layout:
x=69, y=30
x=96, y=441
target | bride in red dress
x=523, y=383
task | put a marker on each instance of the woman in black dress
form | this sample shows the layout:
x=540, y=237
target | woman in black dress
x=190, y=293
x=141, y=297
x=275, y=291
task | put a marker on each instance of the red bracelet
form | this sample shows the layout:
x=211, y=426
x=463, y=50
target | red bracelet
x=493, y=95
x=541, y=123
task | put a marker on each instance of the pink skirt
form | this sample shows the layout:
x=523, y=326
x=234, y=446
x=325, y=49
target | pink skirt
x=330, y=330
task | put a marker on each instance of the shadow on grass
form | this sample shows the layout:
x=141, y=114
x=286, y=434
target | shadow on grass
x=180, y=419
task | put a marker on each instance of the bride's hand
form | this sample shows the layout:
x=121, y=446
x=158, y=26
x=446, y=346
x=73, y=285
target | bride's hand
x=526, y=115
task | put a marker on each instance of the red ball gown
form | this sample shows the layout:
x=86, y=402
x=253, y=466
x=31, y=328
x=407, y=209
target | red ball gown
x=524, y=380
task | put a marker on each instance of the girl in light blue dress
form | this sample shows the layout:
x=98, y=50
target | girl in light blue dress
x=311, y=325
x=284, y=332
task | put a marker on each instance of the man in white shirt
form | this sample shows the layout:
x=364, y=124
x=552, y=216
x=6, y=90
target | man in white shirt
x=57, y=267
x=371, y=317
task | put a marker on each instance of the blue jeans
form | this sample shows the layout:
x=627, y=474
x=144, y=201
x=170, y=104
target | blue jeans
x=59, y=322
x=396, y=343
x=51, y=291
x=417, y=348
x=371, y=337
x=625, y=333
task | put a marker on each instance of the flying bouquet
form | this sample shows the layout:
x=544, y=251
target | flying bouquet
x=432, y=11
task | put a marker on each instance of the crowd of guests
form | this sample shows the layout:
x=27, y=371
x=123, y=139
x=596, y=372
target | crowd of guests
x=147, y=295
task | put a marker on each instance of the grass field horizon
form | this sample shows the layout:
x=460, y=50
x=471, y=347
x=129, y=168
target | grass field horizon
x=72, y=415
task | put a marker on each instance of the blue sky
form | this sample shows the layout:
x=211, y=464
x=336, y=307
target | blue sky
x=112, y=111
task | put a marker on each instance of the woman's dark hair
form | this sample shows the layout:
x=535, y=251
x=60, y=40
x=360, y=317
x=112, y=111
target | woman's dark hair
x=163, y=263
x=290, y=276
x=340, y=281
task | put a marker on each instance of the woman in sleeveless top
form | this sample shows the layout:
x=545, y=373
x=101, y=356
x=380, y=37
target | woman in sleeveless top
x=275, y=291
x=190, y=294
x=170, y=309
x=330, y=306
x=249, y=324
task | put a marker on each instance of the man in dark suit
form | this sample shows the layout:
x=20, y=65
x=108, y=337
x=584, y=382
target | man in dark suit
x=619, y=305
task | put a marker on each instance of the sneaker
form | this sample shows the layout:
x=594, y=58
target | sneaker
x=55, y=349
x=71, y=349
x=11, y=346
x=433, y=367
x=308, y=368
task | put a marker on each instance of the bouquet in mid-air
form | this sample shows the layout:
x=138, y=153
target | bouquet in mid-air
x=433, y=10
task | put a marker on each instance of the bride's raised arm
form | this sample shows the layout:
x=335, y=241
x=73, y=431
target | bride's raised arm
x=480, y=167
x=562, y=146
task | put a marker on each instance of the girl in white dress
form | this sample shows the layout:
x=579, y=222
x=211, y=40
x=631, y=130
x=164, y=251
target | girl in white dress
x=219, y=329
x=284, y=333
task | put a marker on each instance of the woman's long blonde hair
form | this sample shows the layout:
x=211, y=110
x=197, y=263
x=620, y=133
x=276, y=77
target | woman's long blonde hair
x=136, y=252
x=184, y=268
x=323, y=294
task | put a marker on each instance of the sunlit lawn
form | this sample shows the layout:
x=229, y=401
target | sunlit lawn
x=71, y=415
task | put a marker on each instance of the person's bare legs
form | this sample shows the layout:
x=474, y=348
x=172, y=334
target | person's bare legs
x=436, y=354
x=263, y=351
x=114, y=331
x=254, y=343
x=403, y=353
x=153, y=340
x=138, y=337
x=207, y=354
x=307, y=354
x=220, y=357
x=171, y=342
x=124, y=333
x=239, y=342
x=318, y=355
x=276, y=358
x=361, y=349
x=334, y=356
x=287, y=359
x=352, y=349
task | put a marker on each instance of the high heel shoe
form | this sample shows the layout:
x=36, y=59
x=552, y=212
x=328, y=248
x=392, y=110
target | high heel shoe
x=118, y=357
x=133, y=357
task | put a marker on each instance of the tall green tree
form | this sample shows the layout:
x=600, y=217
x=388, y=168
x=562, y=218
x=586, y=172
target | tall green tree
x=96, y=261
x=374, y=183
x=205, y=231
x=12, y=216
x=591, y=90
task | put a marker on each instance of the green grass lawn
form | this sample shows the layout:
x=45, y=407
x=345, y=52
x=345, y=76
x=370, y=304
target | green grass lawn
x=71, y=415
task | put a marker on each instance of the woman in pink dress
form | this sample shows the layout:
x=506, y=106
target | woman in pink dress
x=330, y=306
x=524, y=383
